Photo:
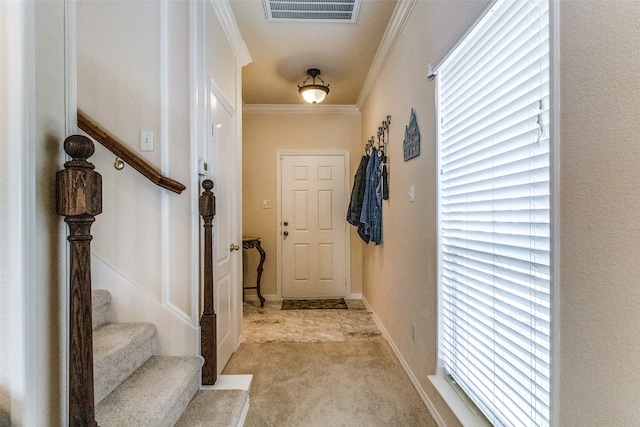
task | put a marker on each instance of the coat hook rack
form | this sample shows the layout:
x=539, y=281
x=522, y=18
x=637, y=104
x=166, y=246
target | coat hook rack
x=381, y=150
x=382, y=141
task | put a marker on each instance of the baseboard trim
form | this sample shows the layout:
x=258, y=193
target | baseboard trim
x=254, y=298
x=414, y=380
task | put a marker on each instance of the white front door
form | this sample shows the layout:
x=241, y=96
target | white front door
x=313, y=226
x=223, y=140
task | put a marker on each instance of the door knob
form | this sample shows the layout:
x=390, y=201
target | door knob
x=285, y=223
x=285, y=233
x=233, y=247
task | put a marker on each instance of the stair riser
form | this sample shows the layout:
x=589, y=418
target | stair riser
x=100, y=315
x=155, y=395
x=174, y=414
x=131, y=386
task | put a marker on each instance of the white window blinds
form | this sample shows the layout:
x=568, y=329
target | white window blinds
x=493, y=99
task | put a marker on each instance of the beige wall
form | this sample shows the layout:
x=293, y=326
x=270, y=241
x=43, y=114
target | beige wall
x=599, y=212
x=267, y=130
x=399, y=276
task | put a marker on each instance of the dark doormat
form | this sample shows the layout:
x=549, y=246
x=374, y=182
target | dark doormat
x=314, y=304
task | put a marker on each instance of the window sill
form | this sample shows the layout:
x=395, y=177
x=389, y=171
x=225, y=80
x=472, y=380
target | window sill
x=468, y=417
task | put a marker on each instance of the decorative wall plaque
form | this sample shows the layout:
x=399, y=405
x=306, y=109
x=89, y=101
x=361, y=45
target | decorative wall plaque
x=411, y=143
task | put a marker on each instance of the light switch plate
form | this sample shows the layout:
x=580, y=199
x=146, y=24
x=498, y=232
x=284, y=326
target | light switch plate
x=146, y=140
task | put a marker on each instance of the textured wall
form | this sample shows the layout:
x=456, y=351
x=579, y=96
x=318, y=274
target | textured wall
x=399, y=276
x=599, y=213
x=599, y=209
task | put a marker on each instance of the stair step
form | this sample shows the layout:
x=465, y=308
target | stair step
x=216, y=408
x=154, y=396
x=100, y=305
x=119, y=349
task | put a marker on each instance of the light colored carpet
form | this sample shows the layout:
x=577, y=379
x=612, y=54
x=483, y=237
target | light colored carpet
x=271, y=323
x=349, y=383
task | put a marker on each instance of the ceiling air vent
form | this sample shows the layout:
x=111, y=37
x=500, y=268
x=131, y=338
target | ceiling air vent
x=312, y=10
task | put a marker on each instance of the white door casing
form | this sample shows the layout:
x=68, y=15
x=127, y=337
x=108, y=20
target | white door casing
x=313, y=237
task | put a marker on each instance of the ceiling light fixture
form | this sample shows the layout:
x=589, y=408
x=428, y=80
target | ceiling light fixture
x=313, y=93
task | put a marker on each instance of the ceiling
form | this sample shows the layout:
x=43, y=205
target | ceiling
x=282, y=51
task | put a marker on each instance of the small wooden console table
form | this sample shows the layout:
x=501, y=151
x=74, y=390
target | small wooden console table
x=254, y=242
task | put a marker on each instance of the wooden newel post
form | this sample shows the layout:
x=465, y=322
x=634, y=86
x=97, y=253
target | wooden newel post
x=208, y=333
x=79, y=199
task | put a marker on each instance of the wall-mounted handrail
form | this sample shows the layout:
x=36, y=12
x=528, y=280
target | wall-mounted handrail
x=120, y=149
x=208, y=335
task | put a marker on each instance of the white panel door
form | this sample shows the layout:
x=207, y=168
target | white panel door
x=313, y=226
x=223, y=138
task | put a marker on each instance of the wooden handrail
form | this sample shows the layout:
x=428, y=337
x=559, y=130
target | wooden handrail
x=120, y=149
x=208, y=334
x=79, y=199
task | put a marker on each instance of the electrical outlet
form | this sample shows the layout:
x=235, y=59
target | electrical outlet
x=266, y=204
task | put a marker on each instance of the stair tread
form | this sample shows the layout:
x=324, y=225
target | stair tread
x=215, y=408
x=111, y=340
x=145, y=398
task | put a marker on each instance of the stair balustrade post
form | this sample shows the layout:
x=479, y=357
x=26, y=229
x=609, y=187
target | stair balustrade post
x=79, y=199
x=208, y=334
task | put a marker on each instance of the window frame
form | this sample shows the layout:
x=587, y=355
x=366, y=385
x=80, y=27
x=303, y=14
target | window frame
x=459, y=403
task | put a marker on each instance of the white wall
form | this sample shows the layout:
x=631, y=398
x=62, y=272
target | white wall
x=33, y=122
x=133, y=75
x=145, y=65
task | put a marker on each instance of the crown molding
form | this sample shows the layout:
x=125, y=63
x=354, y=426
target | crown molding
x=401, y=14
x=230, y=26
x=299, y=109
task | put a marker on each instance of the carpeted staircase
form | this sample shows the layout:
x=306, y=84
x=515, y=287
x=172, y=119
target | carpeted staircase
x=132, y=386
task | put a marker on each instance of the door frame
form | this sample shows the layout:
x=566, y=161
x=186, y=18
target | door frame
x=345, y=154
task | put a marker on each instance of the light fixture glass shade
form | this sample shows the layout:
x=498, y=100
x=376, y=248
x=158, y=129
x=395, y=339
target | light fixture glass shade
x=313, y=93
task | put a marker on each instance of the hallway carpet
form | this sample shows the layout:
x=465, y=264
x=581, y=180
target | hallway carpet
x=352, y=382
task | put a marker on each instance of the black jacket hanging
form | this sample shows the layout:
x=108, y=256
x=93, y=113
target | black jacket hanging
x=357, y=193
